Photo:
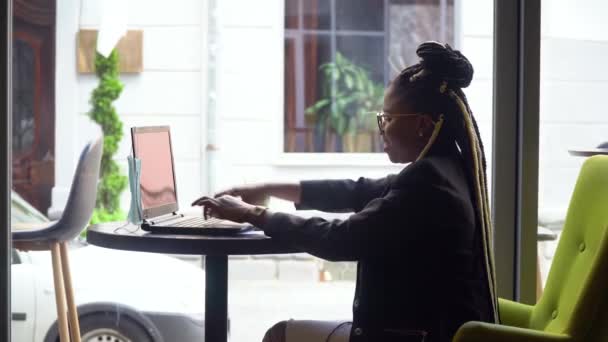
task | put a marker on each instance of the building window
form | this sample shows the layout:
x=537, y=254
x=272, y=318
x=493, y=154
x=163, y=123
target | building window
x=339, y=55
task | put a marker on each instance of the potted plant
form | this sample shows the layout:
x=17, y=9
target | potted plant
x=346, y=108
x=112, y=181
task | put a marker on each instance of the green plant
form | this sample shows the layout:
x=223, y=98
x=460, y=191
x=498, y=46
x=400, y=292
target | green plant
x=349, y=97
x=113, y=182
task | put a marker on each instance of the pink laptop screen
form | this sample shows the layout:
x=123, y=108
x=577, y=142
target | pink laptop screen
x=157, y=182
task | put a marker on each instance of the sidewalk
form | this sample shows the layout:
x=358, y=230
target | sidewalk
x=254, y=306
x=266, y=289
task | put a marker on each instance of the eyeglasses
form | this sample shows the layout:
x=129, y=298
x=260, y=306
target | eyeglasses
x=382, y=118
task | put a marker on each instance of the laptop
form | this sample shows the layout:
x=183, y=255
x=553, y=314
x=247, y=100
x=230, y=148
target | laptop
x=158, y=188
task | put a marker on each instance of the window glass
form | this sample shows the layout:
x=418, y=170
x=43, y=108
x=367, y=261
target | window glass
x=360, y=15
x=316, y=14
x=366, y=52
x=292, y=14
x=235, y=81
x=51, y=96
x=24, y=74
x=573, y=80
x=377, y=37
x=411, y=22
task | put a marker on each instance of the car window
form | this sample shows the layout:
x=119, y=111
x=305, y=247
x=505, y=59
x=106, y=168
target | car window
x=15, y=259
x=23, y=212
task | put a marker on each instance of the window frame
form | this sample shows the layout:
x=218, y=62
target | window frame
x=501, y=136
x=515, y=173
x=363, y=159
x=5, y=170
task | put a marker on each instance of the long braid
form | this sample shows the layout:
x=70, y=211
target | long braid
x=461, y=94
x=468, y=142
x=434, y=86
x=484, y=164
x=481, y=196
x=483, y=171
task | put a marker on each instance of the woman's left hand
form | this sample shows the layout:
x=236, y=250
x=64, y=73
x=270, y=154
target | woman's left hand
x=225, y=207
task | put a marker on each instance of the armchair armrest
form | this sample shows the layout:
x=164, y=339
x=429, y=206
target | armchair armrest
x=486, y=332
x=514, y=314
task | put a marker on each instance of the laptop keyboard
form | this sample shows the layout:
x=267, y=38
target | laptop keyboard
x=199, y=222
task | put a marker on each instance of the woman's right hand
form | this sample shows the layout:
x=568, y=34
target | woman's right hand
x=256, y=194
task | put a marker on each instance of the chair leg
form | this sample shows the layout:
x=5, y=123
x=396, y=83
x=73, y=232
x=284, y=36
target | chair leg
x=69, y=291
x=62, y=317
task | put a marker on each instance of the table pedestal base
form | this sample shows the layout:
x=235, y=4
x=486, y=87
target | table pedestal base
x=216, y=298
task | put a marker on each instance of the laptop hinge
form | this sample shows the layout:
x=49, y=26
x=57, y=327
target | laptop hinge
x=164, y=218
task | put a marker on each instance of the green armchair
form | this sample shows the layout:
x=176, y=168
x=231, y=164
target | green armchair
x=574, y=305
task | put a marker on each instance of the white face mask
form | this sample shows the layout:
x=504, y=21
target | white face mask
x=135, y=211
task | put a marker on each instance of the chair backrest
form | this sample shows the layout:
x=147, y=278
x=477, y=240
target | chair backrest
x=603, y=145
x=577, y=281
x=83, y=194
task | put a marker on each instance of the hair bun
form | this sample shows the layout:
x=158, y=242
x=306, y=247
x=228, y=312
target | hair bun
x=445, y=64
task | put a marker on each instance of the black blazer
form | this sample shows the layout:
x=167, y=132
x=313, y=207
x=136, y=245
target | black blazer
x=417, y=242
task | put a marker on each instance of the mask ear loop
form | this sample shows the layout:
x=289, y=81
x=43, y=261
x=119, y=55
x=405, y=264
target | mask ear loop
x=428, y=145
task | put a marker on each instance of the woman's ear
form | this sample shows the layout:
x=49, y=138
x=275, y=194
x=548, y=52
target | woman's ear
x=424, y=125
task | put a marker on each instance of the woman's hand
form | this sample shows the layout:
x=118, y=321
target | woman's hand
x=256, y=194
x=224, y=207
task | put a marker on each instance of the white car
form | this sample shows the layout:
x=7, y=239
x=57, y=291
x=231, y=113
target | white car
x=121, y=296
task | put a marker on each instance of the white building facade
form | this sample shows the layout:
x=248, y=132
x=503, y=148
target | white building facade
x=214, y=71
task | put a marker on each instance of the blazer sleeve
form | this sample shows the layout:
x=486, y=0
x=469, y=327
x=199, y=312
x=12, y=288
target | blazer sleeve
x=406, y=216
x=341, y=195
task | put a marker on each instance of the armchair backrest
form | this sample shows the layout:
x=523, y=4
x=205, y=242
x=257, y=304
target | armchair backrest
x=574, y=296
x=83, y=193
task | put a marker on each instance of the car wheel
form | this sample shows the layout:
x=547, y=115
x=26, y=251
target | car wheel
x=111, y=328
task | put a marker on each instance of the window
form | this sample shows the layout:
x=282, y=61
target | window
x=227, y=116
x=572, y=109
x=335, y=49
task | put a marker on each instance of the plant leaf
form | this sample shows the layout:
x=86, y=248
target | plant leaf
x=348, y=80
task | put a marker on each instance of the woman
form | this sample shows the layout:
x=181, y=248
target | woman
x=422, y=238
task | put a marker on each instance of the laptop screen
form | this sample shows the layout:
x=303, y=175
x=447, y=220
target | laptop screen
x=157, y=182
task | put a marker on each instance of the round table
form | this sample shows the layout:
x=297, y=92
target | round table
x=589, y=152
x=120, y=235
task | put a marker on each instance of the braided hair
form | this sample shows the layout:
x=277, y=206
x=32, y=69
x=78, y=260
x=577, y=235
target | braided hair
x=434, y=86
